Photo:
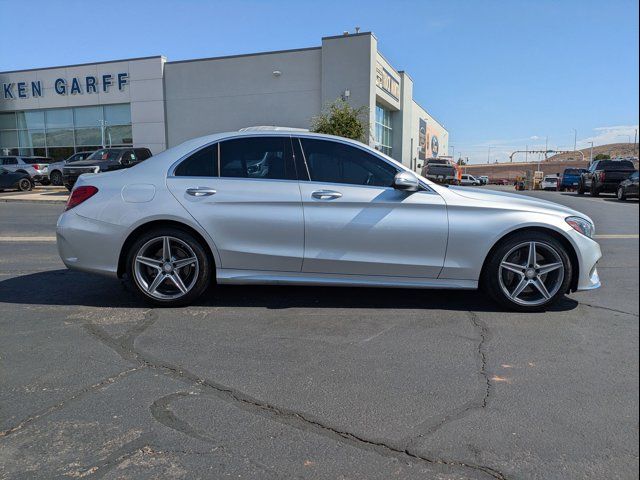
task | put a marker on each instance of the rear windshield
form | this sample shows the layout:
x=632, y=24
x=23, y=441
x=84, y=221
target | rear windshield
x=572, y=171
x=613, y=164
x=105, y=154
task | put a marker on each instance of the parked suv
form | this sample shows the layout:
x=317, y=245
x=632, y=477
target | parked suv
x=104, y=160
x=55, y=169
x=604, y=176
x=35, y=167
x=440, y=171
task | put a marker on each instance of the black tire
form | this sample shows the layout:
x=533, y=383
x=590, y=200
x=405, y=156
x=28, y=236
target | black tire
x=201, y=281
x=621, y=195
x=45, y=182
x=56, y=178
x=580, y=189
x=490, y=281
x=24, y=185
x=594, y=190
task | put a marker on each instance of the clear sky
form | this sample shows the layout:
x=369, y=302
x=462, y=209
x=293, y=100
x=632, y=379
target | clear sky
x=503, y=74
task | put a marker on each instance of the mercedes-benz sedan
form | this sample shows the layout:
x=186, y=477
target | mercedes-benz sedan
x=289, y=207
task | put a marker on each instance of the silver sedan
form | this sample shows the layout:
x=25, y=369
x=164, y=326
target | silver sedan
x=288, y=207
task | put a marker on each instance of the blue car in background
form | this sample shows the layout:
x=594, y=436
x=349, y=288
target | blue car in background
x=571, y=178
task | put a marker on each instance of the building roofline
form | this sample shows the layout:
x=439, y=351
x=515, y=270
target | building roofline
x=241, y=55
x=359, y=34
x=84, y=64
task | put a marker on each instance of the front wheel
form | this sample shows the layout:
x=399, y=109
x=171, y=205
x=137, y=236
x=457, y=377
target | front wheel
x=24, y=185
x=580, y=190
x=621, y=195
x=56, y=178
x=528, y=272
x=168, y=267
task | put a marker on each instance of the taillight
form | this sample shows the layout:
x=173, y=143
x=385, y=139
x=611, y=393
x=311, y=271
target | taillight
x=37, y=166
x=79, y=195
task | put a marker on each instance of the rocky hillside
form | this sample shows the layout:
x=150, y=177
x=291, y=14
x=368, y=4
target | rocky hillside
x=613, y=150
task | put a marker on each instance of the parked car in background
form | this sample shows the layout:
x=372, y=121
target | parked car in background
x=469, y=180
x=440, y=171
x=290, y=207
x=36, y=167
x=18, y=180
x=104, y=160
x=628, y=188
x=484, y=179
x=550, y=182
x=55, y=169
x=571, y=178
x=501, y=181
x=604, y=176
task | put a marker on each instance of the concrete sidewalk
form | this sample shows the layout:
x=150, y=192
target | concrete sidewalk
x=40, y=194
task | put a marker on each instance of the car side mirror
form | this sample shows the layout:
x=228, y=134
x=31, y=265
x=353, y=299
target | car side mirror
x=406, y=181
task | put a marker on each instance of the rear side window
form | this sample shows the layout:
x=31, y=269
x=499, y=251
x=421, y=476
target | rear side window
x=203, y=163
x=334, y=162
x=257, y=157
x=9, y=161
x=105, y=154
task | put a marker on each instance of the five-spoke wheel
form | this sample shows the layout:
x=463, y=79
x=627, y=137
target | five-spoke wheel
x=528, y=271
x=169, y=266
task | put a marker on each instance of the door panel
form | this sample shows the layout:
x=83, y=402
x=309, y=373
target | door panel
x=255, y=224
x=373, y=231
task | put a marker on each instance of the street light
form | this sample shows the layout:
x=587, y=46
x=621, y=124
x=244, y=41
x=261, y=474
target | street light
x=489, y=155
x=575, y=139
x=591, y=154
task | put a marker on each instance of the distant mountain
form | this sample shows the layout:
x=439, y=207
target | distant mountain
x=613, y=150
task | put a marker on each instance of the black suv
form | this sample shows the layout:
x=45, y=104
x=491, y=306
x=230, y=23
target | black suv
x=604, y=176
x=104, y=160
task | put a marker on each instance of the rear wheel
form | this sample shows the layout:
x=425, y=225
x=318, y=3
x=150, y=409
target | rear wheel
x=621, y=195
x=168, y=267
x=56, y=178
x=580, y=189
x=24, y=185
x=528, y=272
x=594, y=190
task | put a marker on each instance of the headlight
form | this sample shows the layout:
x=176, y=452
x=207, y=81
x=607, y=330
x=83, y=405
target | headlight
x=581, y=225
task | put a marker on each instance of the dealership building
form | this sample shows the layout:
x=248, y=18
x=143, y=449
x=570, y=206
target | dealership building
x=155, y=103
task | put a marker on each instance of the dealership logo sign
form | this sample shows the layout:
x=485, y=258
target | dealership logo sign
x=62, y=86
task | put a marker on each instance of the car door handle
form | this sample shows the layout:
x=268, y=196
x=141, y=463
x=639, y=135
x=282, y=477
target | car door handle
x=326, y=194
x=200, y=191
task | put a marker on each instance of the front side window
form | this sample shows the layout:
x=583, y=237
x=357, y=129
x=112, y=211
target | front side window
x=203, y=163
x=332, y=162
x=257, y=157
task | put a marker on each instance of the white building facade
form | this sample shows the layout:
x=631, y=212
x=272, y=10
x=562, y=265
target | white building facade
x=150, y=102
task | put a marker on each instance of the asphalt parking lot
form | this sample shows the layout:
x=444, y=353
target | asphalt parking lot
x=282, y=382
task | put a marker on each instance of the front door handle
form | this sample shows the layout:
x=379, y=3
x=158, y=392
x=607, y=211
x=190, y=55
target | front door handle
x=200, y=191
x=326, y=194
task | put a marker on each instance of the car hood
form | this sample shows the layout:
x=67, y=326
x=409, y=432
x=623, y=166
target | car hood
x=517, y=201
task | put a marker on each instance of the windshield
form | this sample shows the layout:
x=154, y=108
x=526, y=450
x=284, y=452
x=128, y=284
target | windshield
x=615, y=164
x=104, y=155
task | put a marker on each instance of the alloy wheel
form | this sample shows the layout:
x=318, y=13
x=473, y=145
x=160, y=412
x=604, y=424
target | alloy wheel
x=24, y=185
x=166, y=268
x=531, y=273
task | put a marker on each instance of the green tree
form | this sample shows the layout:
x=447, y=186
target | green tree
x=602, y=156
x=341, y=119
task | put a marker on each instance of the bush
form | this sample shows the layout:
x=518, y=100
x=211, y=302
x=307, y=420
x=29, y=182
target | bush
x=341, y=119
x=602, y=156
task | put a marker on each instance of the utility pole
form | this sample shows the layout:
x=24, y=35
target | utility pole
x=489, y=155
x=591, y=154
x=546, y=147
x=575, y=139
x=526, y=154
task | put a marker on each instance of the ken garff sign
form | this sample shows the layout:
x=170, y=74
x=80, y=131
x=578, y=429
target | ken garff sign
x=62, y=86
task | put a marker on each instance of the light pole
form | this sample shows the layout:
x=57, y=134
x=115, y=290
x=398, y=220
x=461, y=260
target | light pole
x=575, y=139
x=489, y=155
x=591, y=153
x=453, y=151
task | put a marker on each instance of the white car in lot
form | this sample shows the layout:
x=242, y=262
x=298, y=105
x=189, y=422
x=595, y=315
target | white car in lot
x=287, y=207
x=469, y=180
x=550, y=182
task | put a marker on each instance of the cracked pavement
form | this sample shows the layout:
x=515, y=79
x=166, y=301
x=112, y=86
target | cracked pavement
x=281, y=382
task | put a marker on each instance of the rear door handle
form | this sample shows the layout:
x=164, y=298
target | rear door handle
x=200, y=191
x=326, y=194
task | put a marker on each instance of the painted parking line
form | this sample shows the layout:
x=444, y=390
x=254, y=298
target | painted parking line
x=616, y=236
x=27, y=239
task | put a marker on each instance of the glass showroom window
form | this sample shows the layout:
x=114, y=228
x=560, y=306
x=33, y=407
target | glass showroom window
x=60, y=132
x=384, y=130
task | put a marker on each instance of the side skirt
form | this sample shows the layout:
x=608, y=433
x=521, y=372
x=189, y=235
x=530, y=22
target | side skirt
x=256, y=277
